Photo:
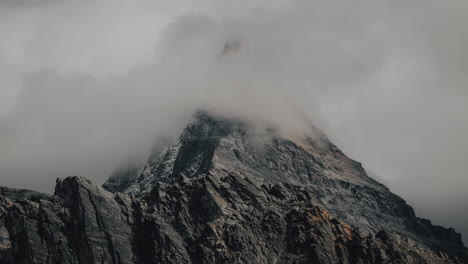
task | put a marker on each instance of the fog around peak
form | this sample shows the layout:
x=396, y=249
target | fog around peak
x=84, y=85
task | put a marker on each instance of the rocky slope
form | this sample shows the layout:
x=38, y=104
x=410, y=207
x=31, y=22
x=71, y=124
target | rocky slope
x=225, y=192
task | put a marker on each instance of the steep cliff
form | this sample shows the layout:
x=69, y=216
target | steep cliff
x=226, y=191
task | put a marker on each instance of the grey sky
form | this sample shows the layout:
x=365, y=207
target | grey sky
x=84, y=85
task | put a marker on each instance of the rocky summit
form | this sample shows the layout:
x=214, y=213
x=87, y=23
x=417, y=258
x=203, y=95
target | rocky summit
x=227, y=191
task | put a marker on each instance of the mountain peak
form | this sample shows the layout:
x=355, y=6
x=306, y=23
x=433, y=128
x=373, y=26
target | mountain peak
x=229, y=190
x=216, y=144
x=220, y=146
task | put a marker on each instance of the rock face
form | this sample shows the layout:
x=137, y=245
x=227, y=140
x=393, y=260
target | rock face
x=225, y=192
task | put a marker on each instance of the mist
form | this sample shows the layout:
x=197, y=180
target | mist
x=88, y=85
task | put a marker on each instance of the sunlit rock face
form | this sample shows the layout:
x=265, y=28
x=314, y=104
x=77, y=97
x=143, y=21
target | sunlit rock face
x=226, y=191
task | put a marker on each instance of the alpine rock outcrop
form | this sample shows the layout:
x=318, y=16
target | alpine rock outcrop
x=226, y=191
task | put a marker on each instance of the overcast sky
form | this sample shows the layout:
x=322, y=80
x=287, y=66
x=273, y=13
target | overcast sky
x=88, y=84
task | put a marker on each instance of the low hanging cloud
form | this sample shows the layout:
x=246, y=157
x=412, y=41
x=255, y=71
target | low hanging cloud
x=87, y=85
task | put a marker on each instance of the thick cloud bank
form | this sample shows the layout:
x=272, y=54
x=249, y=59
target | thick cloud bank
x=87, y=85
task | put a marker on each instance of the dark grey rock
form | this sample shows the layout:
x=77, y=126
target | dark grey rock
x=225, y=192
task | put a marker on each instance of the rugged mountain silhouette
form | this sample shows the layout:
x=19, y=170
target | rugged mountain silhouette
x=226, y=191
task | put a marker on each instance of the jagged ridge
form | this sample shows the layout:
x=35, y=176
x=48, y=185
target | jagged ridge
x=225, y=192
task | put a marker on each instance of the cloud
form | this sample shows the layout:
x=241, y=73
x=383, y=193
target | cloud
x=87, y=84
